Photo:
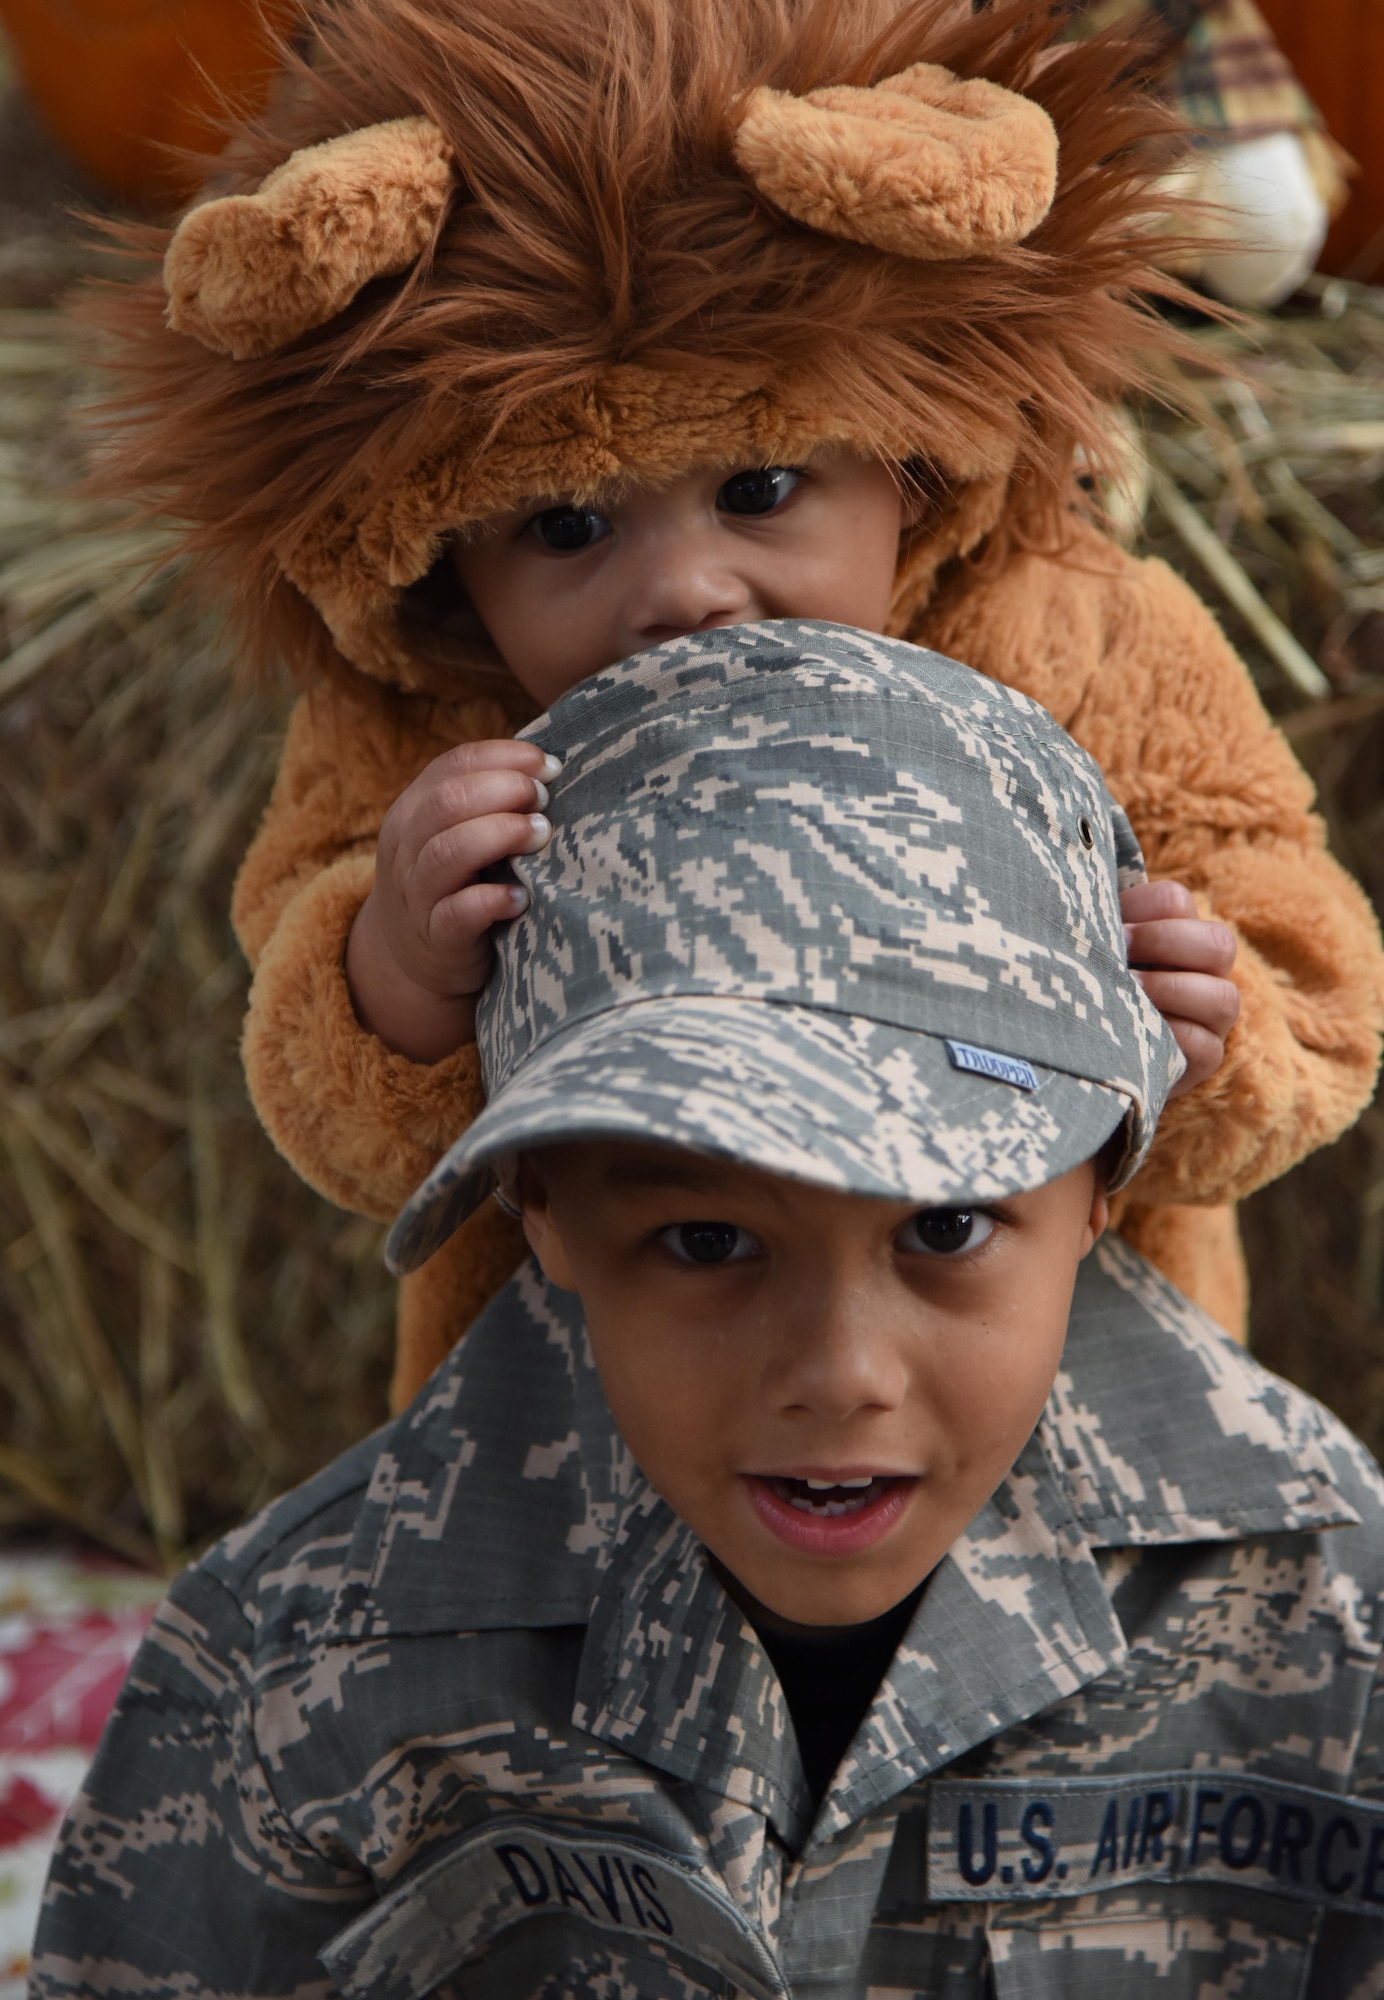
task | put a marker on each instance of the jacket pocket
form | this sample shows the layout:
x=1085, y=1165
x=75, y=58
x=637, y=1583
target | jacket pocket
x=1153, y=1941
x=523, y=1910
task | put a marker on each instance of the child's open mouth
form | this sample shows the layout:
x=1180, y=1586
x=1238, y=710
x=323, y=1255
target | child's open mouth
x=829, y=1516
x=819, y=1496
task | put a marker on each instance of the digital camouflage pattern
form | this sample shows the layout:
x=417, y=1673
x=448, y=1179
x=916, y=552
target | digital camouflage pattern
x=809, y=894
x=470, y=1715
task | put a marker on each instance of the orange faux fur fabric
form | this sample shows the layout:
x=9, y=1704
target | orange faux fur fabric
x=1125, y=656
x=247, y=273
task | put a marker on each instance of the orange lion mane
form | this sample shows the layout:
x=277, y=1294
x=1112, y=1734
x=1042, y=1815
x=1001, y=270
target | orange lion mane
x=607, y=296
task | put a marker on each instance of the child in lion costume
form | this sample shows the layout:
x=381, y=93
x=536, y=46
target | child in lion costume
x=514, y=273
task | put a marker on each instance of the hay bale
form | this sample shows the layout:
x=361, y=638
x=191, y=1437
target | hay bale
x=184, y=1328
x=1285, y=472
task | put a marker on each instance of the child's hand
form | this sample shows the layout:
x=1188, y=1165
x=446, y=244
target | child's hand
x=419, y=951
x=1183, y=962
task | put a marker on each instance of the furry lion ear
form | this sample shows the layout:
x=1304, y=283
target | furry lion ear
x=922, y=164
x=250, y=272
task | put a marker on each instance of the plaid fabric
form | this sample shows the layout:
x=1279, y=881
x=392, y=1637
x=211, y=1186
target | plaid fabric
x=1230, y=81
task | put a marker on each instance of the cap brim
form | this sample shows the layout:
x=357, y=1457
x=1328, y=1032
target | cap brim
x=826, y=1098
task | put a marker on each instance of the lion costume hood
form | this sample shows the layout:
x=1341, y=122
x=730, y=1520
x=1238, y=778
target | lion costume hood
x=517, y=249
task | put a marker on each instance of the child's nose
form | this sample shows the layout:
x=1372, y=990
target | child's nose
x=676, y=591
x=839, y=1360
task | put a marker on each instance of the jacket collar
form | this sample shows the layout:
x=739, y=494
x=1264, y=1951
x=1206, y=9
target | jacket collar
x=1165, y=1430
x=505, y=1497
x=1014, y=1618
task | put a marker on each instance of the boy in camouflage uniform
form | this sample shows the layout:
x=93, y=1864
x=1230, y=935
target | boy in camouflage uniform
x=815, y=1574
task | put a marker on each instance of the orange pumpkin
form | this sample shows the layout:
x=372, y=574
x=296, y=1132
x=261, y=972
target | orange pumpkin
x=1337, y=48
x=120, y=80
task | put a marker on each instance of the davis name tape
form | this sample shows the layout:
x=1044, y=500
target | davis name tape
x=516, y=1879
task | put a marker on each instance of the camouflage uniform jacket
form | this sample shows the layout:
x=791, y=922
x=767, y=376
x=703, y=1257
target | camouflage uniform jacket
x=470, y=1715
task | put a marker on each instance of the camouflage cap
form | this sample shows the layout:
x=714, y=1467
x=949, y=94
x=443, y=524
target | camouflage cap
x=826, y=904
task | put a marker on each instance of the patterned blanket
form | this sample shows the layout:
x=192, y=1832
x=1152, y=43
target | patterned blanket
x=69, y=1627
x=1228, y=77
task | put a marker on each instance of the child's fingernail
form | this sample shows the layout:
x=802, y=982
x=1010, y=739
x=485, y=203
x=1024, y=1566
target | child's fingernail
x=518, y=898
x=542, y=828
x=542, y=791
x=551, y=765
x=1128, y=929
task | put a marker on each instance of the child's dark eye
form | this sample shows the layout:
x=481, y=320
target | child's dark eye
x=757, y=492
x=569, y=528
x=708, y=1242
x=945, y=1232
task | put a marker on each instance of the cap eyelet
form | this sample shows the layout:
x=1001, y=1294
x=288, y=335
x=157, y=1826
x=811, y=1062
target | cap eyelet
x=1084, y=833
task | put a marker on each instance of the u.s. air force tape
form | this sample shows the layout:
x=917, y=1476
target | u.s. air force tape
x=527, y=1886
x=1020, y=1840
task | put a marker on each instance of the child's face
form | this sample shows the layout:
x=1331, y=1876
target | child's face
x=564, y=591
x=754, y=1334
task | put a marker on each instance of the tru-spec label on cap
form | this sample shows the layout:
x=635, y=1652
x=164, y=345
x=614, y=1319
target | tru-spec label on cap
x=1010, y=1841
x=987, y=1062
